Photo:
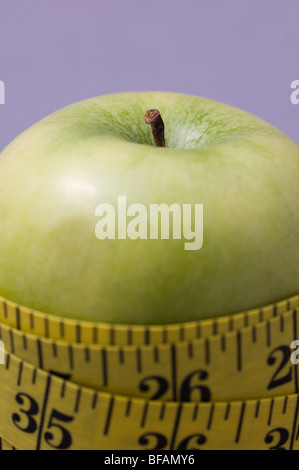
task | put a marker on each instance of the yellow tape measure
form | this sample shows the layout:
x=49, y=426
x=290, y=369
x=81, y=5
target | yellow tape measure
x=76, y=331
x=4, y=445
x=222, y=384
x=45, y=412
x=251, y=362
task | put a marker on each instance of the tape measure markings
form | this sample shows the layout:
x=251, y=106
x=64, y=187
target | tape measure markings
x=238, y=347
x=233, y=365
x=50, y=326
x=4, y=445
x=38, y=415
x=104, y=355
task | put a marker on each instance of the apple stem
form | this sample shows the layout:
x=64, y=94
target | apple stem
x=153, y=117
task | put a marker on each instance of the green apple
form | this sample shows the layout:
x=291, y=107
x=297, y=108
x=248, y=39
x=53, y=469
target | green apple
x=53, y=176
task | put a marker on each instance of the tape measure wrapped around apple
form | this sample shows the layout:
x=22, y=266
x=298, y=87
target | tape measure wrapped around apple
x=138, y=317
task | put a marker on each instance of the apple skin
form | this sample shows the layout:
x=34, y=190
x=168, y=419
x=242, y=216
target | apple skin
x=53, y=176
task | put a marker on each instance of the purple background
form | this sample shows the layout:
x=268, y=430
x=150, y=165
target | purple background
x=55, y=52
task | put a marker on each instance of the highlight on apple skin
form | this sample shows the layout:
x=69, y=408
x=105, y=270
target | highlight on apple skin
x=243, y=171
